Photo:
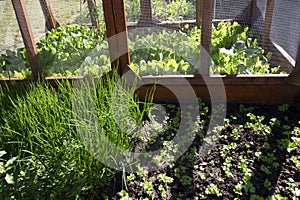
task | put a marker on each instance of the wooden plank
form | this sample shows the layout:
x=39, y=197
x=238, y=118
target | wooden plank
x=115, y=20
x=259, y=89
x=93, y=13
x=199, y=11
x=111, y=31
x=28, y=38
x=122, y=36
x=250, y=12
x=51, y=23
x=206, y=30
x=268, y=24
x=206, y=24
x=297, y=65
x=294, y=77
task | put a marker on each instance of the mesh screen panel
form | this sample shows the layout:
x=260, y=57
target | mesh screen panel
x=65, y=12
x=279, y=35
x=171, y=16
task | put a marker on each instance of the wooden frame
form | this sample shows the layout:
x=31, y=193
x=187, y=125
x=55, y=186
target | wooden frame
x=51, y=23
x=92, y=10
x=28, y=38
x=267, y=89
x=260, y=89
x=116, y=30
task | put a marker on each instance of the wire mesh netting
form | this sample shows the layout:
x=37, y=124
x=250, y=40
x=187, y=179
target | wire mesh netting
x=270, y=44
x=248, y=37
x=65, y=12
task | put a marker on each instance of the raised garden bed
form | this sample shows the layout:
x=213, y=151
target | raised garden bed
x=54, y=141
x=256, y=154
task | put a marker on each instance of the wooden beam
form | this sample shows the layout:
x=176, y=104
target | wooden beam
x=297, y=65
x=93, y=13
x=250, y=11
x=294, y=77
x=199, y=11
x=268, y=24
x=111, y=31
x=122, y=32
x=115, y=20
x=27, y=35
x=266, y=89
x=206, y=30
x=51, y=23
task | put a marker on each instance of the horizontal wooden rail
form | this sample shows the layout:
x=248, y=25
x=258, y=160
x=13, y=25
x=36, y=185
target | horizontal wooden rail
x=257, y=89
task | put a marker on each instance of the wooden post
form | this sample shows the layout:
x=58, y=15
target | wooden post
x=28, y=39
x=206, y=30
x=294, y=77
x=268, y=24
x=93, y=13
x=116, y=29
x=251, y=6
x=199, y=11
x=51, y=23
x=297, y=65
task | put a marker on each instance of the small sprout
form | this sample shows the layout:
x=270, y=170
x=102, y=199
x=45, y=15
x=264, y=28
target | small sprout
x=268, y=185
x=274, y=122
x=213, y=190
x=238, y=188
x=186, y=180
x=283, y=108
x=131, y=177
x=265, y=169
x=148, y=187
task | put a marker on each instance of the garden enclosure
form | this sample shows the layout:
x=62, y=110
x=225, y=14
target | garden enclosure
x=269, y=22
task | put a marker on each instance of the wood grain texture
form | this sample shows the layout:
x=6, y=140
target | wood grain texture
x=28, y=39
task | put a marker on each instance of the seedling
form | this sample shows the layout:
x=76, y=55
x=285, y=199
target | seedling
x=212, y=189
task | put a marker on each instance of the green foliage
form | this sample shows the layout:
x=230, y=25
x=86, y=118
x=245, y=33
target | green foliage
x=233, y=52
x=213, y=190
x=78, y=50
x=46, y=157
x=174, y=10
x=65, y=51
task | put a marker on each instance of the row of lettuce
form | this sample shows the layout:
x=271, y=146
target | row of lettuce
x=78, y=50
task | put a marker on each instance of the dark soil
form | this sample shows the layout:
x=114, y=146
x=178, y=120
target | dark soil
x=260, y=163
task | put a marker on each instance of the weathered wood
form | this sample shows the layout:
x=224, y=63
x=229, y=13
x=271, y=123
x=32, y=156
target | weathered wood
x=268, y=24
x=51, y=23
x=28, y=39
x=93, y=13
